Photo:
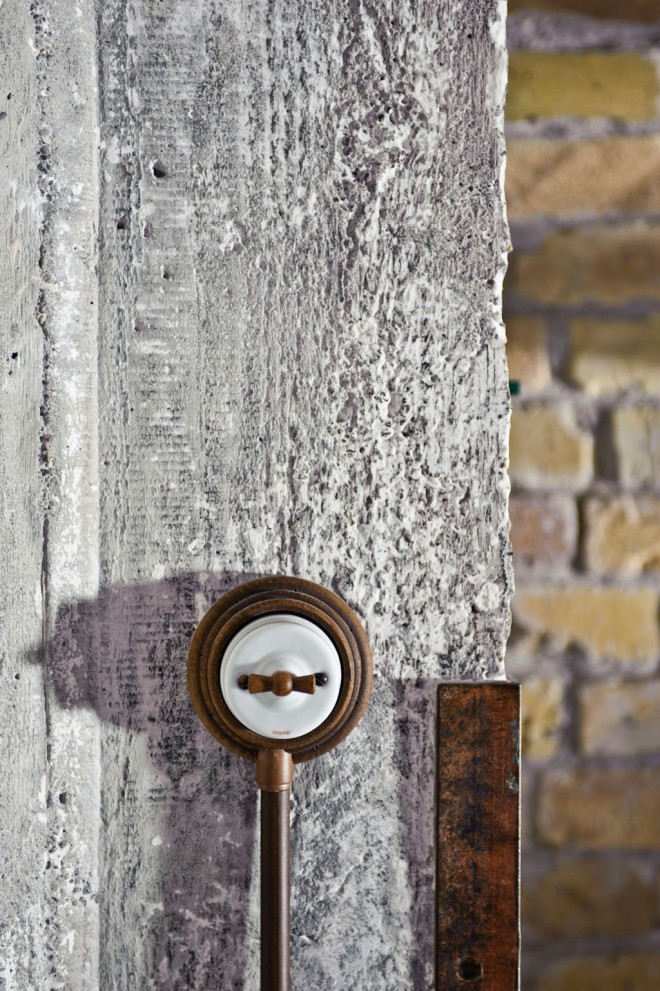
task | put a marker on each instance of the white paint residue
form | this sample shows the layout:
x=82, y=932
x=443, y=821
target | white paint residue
x=112, y=152
x=489, y=598
x=196, y=545
x=38, y=600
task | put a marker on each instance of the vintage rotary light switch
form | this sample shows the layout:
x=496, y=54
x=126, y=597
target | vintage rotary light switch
x=281, y=644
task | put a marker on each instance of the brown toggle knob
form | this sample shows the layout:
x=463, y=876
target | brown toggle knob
x=282, y=683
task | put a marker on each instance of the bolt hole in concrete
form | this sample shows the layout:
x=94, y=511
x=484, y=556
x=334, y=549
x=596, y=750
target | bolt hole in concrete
x=469, y=969
x=158, y=169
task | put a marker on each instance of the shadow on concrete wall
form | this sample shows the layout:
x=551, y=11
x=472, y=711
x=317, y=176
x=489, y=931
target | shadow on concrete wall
x=415, y=721
x=123, y=656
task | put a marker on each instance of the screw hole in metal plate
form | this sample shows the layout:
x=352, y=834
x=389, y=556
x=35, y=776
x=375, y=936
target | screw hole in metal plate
x=470, y=969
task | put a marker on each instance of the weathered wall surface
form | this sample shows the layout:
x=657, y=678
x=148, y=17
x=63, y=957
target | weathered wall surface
x=252, y=257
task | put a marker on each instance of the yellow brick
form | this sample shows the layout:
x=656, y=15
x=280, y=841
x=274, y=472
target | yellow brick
x=548, y=449
x=641, y=11
x=612, y=355
x=620, y=719
x=600, y=810
x=595, y=84
x=543, y=530
x=606, y=264
x=526, y=353
x=541, y=717
x=635, y=972
x=622, y=535
x=636, y=444
x=614, y=623
x=588, y=896
x=581, y=178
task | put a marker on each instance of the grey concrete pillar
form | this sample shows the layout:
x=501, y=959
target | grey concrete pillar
x=251, y=264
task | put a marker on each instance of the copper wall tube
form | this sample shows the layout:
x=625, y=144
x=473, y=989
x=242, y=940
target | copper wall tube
x=275, y=891
x=274, y=777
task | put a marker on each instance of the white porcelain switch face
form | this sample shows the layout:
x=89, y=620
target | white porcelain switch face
x=280, y=642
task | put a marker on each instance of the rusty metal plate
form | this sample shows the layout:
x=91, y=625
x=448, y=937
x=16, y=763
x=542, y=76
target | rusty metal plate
x=478, y=837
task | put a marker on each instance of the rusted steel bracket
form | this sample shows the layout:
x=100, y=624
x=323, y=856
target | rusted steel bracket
x=478, y=837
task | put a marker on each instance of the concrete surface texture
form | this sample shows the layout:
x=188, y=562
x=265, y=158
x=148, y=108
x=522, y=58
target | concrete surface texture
x=251, y=270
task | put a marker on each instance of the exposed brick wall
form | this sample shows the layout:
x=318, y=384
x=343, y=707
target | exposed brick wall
x=582, y=301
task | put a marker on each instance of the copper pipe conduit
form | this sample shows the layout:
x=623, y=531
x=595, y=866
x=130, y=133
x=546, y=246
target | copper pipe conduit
x=275, y=777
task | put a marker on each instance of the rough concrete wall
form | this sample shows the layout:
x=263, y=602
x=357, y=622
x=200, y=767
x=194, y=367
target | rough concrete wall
x=257, y=296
